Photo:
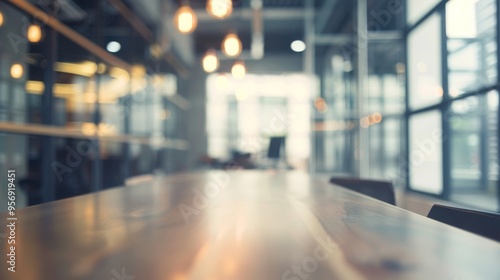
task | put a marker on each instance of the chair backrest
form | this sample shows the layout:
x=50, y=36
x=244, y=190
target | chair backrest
x=380, y=190
x=482, y=223
x=275, y=146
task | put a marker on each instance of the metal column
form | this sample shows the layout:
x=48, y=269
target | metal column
x=362, y=74
x=309, y=69
x=48, y=149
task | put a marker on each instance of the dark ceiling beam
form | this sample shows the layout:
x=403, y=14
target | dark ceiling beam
x=148, y=35
x=267, y=14
x=71, y=34
x=134, y=20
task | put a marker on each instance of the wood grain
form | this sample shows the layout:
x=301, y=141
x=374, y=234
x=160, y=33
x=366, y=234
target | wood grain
x=253, y=225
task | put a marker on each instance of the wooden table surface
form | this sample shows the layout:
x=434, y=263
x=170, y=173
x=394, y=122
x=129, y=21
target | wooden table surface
x=240, y=225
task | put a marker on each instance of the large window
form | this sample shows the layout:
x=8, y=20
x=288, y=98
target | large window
x=425, y=152
x=453, y=117
x=472, y=45
x=416, y=9
x=424, y=64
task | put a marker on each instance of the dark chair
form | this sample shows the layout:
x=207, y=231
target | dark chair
x=482, y=223
x=380, y=190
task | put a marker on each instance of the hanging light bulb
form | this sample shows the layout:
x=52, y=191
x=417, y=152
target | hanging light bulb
x=16, y=71
x=219, y=9
x=210, y=61
x=1, y=18
x=34, y=33
x=185, y=19
x=239, y=70
x=231, y=46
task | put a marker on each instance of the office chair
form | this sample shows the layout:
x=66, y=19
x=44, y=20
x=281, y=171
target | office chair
x=481, y=223
x=380, y=190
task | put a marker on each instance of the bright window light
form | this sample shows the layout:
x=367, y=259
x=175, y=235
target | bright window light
x=298, y=46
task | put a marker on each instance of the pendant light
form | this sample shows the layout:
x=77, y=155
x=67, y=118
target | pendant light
x=185, y=19
x=231, y=45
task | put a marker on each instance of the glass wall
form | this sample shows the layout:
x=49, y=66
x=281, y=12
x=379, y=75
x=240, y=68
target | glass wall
x=77, y=117
x=453, y=107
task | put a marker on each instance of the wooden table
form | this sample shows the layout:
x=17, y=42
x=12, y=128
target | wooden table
x=248, y=225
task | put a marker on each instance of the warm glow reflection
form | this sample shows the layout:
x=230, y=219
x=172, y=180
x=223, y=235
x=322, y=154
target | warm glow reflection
x=185, y=20
x=219, y=8
x=85, y=68
x=102, y=129
x=210, y=61
x=16, y=71
x=231, y=46
x=320, y=105
x=238, y=70
x=119, y=73
x=439, y=91
x=1, y=18
x=138, y=71
x=376, y=118
x=101, y=68
x=34, y=33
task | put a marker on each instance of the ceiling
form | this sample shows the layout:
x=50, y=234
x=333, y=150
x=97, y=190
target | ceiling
x=283, y=22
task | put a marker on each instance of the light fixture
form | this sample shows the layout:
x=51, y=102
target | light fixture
x=16, y=71
x=231, y=45
x=210, y=61
x=239, y=70
x=298, y=46
x=1, y=18
x=219, y=9
x=34, y=33
x=185, y=19
x=113, y=47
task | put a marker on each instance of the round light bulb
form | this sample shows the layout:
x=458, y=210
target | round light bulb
x=210, y=61
x=113, y=47
x=185, y=20
x=219, y=9
x=34, y=33
x=298, y=46
x=238, y=70
x=231, y=46
x=16, y=71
